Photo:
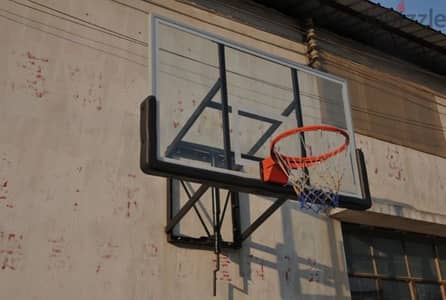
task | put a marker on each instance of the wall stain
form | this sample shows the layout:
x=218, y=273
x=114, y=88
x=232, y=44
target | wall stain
x=127, y=199
x=131, y=202
x=150, y=257
x=395, y=164
x=224, y=274
x=58, y=259
x=34, y=79
x=11, y=252
x=106, y=251
x=285, y=267
x=4, y=190
x=87, y=87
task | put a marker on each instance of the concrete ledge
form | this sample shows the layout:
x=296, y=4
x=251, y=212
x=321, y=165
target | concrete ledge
x=389, y=214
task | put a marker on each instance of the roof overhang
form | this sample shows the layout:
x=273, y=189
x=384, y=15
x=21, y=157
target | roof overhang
x=374, y=25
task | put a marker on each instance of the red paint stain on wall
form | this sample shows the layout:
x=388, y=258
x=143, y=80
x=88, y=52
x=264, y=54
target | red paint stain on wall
x=58, y=258
x=224, y=273
x=106, y=251
x=395, y=164
x=34, y=77
x=11, y=254
x=4, y=190
x=131, y=193
x=151, y=250
x=33, y=57
x=90, y=93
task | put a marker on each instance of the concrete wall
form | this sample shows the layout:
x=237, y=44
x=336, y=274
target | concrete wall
x=78, y=219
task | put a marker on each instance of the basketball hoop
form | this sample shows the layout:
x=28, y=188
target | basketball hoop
x=316, y=179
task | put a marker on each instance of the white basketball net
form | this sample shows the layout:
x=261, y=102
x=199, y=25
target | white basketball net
x=316, y=184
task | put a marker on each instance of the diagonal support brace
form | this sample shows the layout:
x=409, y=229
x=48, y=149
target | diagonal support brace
x=185, y=209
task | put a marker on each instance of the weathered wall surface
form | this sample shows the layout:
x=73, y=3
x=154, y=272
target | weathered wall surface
x=77, y=216
x=387, y=105
x=78, y=219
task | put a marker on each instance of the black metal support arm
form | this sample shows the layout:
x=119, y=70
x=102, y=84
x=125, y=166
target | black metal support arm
x=185, y=209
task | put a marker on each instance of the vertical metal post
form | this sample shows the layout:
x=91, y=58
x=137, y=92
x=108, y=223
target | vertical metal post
x=227, y=150
x=217, y=233
x=225, y=110
x=236, y=223
x=235, y=202
x=169, y=212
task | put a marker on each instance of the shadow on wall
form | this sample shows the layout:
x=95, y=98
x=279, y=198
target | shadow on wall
x=294, y=257
x=293, y=270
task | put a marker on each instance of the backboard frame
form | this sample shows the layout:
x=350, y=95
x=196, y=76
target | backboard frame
x=152, y=163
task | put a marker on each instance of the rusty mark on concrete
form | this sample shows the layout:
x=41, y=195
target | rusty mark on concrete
x=34, y=79
x=33, y=57
x=261, y=272
x=58, y=259
x=130, y=200
x=150, y=250
x=395, y=164
x=106, y=251
x=88, y=94
x=10, y=251
x=3, y=191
